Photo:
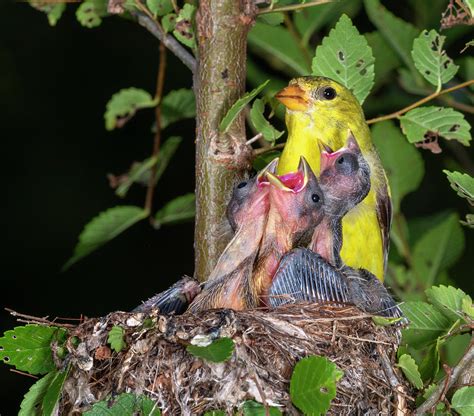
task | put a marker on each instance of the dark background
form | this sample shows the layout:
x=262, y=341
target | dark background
x=54, y=84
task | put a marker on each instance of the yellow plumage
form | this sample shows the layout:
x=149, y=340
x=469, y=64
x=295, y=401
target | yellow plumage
x=320, y=110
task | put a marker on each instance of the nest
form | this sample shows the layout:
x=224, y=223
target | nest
x=267, y=346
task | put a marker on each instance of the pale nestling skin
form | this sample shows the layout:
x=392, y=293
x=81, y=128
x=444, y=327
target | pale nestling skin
x=229, y=284
x=345, y=181
x=321, y=111
x=296, y=208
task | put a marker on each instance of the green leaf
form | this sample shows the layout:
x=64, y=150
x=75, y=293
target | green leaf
x=252, y=408
x=169, y=22
x=53, y=11
x=429, y=366
x=90, y=12
x=52, y=395
x=467, y=307
x=280, y=47
x=395, y=151
x=439, y=248
x=426, y=324
x=261, y=124
x=124, y=104
x=420, y=123
x=184, y=28
x=238, y=106
x=126, y=404
x=398, y=33
x=28, y=347
x=177, y=105
x=218, y=351
x=346, y=57
x=383, y=321
x=448, y=300
x=159, y=7
x=410, y=369
x=180, y=209
x=103, y=228
x=215, y=413
x=462, y=183
x=140, y=172
x=272, y=19
x=116, y=338
x=313, y=384
x=463, y=401
x=32, y=402
x=263, y=160
x=385, y=60
x=431, y=60
x=167, y=151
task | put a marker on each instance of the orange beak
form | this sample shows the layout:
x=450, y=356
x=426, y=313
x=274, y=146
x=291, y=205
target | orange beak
x=294, y=98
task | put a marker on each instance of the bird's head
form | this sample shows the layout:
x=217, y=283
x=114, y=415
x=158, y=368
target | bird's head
x=319, y=97
x=250, y=198
x=344, y=177
x=298, y=200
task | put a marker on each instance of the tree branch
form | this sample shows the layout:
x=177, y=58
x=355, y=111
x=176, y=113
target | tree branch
x=430, y=97
x=444, y=386
x=160, y=82
x=169, y=41
x=221, y=158
x=290, y=7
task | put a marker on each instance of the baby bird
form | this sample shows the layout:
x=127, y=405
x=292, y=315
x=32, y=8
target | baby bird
x=296, y=208
x=228, y=284
x=305, y=275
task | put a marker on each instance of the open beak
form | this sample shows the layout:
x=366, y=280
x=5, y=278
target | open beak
x=291, y=182
x=277, y=183
x=294, y=98
x=262, y=178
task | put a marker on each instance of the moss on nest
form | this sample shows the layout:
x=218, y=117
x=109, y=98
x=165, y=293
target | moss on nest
x=267, y=346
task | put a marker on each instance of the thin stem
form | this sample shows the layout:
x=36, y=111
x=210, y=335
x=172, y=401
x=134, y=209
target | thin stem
x=263, y=150
x=160, y=82
x=254, y=139
x=430, y=97
x=148, y=22
x=436, y=396
x=293, y=32
x=272, y=9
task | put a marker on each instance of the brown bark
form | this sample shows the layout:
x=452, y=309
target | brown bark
x=222, y=27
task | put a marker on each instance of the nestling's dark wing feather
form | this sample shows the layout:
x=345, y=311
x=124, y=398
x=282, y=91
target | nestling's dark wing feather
x=305, y=276
x=173, y=300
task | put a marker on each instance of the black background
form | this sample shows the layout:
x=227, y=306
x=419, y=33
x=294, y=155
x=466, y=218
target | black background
x=54, y=84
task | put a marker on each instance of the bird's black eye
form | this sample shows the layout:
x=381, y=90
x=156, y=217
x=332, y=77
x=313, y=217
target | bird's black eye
x=242, y=185
x=347, y=164
x=329, y=93
x=316, y=198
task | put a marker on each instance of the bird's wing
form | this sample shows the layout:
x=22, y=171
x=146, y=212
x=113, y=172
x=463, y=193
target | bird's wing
x=384, y=216
x=173, y=300
x=370, y=295
x=305, y=276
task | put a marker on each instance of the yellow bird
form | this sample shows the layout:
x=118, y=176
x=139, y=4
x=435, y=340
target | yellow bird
x=319, y=112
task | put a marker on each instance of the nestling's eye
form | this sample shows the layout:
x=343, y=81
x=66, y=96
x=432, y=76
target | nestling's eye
x=329, y=93
x=242, y=185
x=347, y=164
x=316, y=198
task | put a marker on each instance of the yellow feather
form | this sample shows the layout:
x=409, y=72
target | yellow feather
x=328, y=121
